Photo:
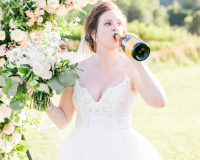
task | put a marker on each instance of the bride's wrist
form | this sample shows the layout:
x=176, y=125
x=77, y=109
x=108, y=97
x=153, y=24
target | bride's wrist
x=50, y=108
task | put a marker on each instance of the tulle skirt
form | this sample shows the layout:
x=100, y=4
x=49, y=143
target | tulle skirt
x=106, y=145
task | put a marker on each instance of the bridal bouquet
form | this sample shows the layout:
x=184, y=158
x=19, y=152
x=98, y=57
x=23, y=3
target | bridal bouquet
x=44, y=63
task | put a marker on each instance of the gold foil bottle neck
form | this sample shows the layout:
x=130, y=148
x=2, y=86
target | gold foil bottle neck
x=118, y=36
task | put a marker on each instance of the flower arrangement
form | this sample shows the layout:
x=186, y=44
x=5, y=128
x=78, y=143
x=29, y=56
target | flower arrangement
x=13, y=125
x=44, y=63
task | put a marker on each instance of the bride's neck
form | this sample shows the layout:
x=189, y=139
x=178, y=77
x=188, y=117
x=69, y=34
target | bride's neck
x=104, y=59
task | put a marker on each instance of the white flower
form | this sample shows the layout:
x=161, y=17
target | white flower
x=66, y=55
x=53, y=3
x=22, y=117
x=13, y=24
x=42, y=3
x=43, y=88
x=46, y=75
x=2, y=35
x=8, y=128
x=37, y=68
x=7, y=147
x=1, y=117
x=17, y=35
x=61, y=11
x=1, y=143
x=40, y=19
x=33, y=35
x=46, y=66
x=14, y=157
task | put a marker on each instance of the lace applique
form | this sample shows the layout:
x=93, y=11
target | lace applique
x=112, y=112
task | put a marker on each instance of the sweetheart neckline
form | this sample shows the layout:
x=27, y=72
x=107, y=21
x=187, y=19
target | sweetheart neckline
x=126, y=76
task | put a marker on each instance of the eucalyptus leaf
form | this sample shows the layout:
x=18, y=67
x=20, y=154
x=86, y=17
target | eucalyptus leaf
x=22, y=146
x=68, y=77
x=14, y=86
x=58, y=92
x=20, y=89
x=15, y=105
x=16, y=118
x=55, y=84
x=2, y=81
x=23, y=70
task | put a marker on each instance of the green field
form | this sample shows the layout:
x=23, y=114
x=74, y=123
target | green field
x=174, y=130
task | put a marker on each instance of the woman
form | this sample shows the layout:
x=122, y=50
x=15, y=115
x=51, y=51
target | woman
x=104, y=95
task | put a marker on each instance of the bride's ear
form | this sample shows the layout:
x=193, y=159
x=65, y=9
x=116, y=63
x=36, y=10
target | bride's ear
x=93, y=34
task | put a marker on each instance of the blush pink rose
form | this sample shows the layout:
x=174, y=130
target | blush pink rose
x=6, y=111
x=2, y=50
x=50, y=10
x=8, y=129
x=15, y=138
x=2, y=62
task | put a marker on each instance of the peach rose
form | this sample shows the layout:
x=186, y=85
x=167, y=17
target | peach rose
x=3, y=50
x=68, y=1
x=2, y=62
x=92, y=2
x=15, y=138
x=8, y=129
x=50, y=10
x=1, y=134
x=69, y=6
x=30, y=14
x=5, y=158
x=31, y=22
x=25, y=41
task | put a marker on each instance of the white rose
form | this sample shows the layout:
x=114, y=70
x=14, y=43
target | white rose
x=42, y=3
x=43, y=88
x=6, y=111
x=53, y=3
x=61, y=11
x=66, y=55
x=1, y=143
x=8, y=128
x=46, y=66
x=2, y=35
x=7, y=147
x=46, y=75
x=17, y=35
x=37, y=68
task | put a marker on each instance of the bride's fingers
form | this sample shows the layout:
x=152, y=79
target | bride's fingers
x=131, y=34
x=31, y=94
x=30, y=90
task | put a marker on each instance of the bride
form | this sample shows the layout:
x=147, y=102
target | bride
x=104, y=95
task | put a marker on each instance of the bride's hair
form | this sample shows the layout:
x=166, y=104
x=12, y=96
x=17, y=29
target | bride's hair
x=91, y=21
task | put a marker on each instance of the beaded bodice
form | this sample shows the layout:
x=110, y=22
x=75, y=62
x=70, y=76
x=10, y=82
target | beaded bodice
x=112, y=112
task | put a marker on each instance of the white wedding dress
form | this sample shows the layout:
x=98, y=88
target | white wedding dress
x=103, y=129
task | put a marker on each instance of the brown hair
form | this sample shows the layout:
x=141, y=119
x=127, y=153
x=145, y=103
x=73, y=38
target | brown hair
x=92, y=20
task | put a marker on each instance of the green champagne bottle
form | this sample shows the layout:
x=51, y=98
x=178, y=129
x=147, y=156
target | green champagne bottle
x=133, y=46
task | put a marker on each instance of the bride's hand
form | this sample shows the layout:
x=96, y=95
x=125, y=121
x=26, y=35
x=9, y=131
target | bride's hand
x=30, y=90
x=130, y=34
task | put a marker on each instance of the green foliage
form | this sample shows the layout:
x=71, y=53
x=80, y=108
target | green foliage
x=195, y=24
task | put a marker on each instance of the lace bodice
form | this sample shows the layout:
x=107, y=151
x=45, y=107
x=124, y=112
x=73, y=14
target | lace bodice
x=112, y=112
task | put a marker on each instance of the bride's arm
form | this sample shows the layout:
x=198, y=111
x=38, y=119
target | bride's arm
x=64, y=113
x=147, y=85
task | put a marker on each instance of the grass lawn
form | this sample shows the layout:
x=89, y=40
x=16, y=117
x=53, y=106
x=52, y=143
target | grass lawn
x=174, y=130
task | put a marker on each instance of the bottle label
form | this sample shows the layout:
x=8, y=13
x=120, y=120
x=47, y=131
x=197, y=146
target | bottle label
x=129, y=46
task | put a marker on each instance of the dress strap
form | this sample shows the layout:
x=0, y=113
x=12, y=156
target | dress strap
x=129, y=67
